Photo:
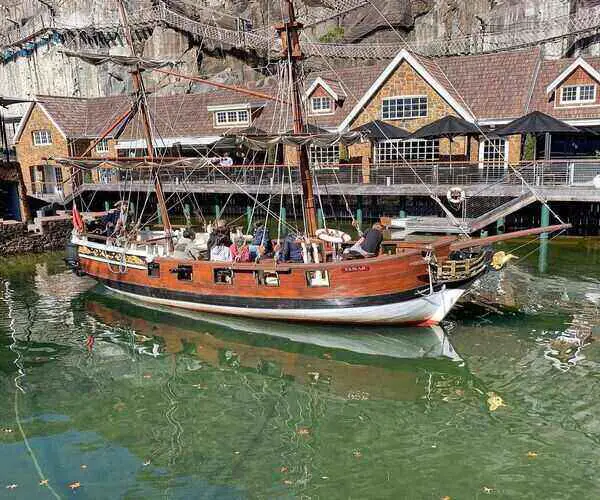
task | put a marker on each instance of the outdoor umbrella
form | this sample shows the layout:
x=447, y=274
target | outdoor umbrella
x=536, y=123
x=449, y=127
x=379, y=130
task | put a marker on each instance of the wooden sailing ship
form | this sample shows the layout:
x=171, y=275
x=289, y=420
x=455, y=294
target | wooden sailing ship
x=417, y=283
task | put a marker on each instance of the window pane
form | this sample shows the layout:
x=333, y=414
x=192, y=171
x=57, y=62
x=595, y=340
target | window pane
x=324, y=156
x=394, y=108
x=587, y=93
x=396, y=150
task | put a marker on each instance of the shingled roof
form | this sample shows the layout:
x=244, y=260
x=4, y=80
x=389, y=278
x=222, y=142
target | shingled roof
x=84, y=118
x=493, y=87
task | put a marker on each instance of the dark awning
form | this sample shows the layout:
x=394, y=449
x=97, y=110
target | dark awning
x=449, y=126
x=536, y=123
x=379, y=130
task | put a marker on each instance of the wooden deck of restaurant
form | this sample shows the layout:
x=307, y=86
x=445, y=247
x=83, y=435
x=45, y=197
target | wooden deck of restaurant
x=556, y=180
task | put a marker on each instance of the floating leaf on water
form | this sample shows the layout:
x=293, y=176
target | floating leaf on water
x=75, y=485
x=531, y=454
x=494, y=401
x=120, y=406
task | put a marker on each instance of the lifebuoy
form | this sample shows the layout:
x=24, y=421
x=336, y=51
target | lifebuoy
x=333, y=236
x=456, y=195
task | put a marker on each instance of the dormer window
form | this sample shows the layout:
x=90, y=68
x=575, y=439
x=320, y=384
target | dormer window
x=238, y=117
x=230, y=115
x=321, y=105
x=578, y=94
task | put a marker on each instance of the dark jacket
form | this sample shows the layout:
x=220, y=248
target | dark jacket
x=261, y=237
x=372, y=241
x=292, y=250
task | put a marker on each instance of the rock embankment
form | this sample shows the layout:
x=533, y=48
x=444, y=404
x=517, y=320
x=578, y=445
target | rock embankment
x=15, y=238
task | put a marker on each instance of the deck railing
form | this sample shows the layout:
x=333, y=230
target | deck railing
x=569, y=173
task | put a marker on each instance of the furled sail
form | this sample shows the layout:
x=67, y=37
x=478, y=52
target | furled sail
x=97, y=59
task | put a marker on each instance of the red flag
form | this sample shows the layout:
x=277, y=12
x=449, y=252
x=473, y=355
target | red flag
x=77, y=220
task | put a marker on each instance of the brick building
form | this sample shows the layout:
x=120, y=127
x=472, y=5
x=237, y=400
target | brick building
x=408, y=92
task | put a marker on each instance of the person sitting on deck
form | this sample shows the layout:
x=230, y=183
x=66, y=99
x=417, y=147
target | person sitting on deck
x=240, y=250
x=261, y=242
x=221, y=229
x=369, y=243
x=292, y=249
x=220, y=251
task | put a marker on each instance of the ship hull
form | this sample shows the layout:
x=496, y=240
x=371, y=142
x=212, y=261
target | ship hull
x=416, y=308
x=394, y=289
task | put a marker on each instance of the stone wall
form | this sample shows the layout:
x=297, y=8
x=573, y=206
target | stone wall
x=15, y=238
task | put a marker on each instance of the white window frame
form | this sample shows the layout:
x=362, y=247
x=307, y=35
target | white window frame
x=494, y=161
x=327, y=157
x=227, y=118
x=400, y=151
x=319, y=109
x=404, y=107
x=102, y=147
x=42, y=137
x=578, y=91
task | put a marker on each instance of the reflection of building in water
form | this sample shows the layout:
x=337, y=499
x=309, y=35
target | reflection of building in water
x=358, y=374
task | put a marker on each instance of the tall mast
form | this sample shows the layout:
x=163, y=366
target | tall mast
x=288, y=31
x=138, y=87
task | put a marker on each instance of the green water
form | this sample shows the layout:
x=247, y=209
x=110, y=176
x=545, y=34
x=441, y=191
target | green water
x=170, y=406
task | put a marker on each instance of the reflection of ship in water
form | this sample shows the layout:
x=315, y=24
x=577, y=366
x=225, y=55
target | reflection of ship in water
x=356, y=362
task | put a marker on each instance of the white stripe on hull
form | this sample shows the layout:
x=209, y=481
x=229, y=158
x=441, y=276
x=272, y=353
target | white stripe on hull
x=428, y=310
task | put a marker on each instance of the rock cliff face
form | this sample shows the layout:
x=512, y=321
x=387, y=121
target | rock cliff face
x=40, y=67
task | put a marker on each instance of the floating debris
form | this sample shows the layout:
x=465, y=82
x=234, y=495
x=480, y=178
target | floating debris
x=44, y=482
x=7, y=430
x=494, y=401
x=146, y=463
x=11, y=486
x=303, y=431
x=358, y=395
x=532, y=454
x=357, y=454
x=488, y=490
x=83, y=466
x=75, y=485
x=283, y=469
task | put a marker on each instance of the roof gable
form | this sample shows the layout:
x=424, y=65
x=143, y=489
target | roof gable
x=577, y=63
x=332, y=87
x=424, y=73
x=25, y=119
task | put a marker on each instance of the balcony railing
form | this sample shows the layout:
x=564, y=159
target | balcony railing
x=548, y=174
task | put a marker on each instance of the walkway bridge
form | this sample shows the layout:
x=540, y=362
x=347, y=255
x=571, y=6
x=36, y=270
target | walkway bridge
x=568, y=29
